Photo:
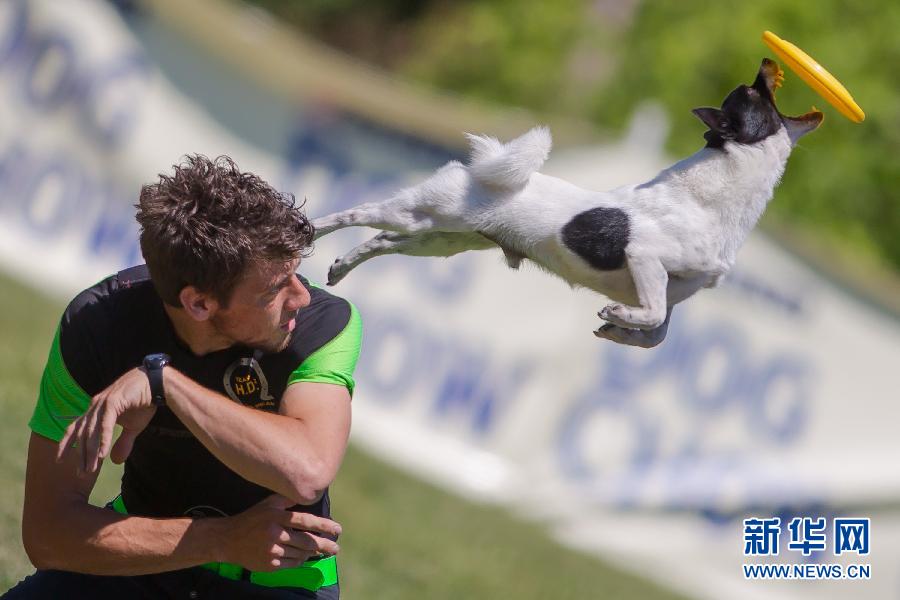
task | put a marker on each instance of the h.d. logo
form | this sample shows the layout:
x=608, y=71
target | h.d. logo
x=245, y=383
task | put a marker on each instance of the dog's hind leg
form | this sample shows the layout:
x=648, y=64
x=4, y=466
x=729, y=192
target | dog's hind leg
x=435, y=243
x=436, y=203
x=408, y=212
x=643, y=338
x=370, y=214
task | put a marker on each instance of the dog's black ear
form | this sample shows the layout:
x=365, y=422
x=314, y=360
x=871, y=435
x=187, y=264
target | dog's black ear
x=716, y=120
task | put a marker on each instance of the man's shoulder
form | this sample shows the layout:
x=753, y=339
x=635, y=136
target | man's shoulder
x=101, y=324
x=325, y=319
x=323, y=300
x=106, y=304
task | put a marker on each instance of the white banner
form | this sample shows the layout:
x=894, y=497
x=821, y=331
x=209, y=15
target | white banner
x=773, y=396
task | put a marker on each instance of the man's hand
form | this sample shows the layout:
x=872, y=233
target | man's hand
x=268, y=537
x=127, y=401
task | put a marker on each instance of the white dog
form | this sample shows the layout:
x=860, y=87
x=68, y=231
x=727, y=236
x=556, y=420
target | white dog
x=647, y=247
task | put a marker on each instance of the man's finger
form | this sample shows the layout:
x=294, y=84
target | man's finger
x=308, y=522
x=92, y=438
x=79, y=439
x=292, y=553
x=299, y=540
x=107, y=428
x=325, y=546
x=287, y=563
x=312, y=544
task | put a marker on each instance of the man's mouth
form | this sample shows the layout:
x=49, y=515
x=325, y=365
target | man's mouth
x=289, y=325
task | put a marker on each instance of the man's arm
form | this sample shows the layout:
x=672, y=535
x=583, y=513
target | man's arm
x=61, y=530
x=295, y=453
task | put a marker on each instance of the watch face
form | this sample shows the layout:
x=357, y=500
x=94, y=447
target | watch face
x=155, y=361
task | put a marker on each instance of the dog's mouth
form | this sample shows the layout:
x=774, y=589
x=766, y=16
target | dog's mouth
x=771, y=78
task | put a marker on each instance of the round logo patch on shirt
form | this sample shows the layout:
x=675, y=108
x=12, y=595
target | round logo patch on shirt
x=246, y=383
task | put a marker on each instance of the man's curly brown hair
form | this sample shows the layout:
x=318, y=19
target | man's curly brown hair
x=207, y=223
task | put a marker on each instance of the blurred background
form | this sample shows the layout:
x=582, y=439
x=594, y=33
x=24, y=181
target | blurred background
x=499, y=449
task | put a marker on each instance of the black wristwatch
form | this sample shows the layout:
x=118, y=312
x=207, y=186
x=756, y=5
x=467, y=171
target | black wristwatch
x=153, y=364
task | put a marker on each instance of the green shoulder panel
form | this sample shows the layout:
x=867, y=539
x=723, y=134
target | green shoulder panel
x=335, y=361
x=60, y=401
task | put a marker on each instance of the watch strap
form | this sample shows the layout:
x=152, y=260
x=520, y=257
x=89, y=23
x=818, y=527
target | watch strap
x=153, y=366
x=157, y=391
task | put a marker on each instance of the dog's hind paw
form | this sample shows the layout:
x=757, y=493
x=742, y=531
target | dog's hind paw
x=337, y=271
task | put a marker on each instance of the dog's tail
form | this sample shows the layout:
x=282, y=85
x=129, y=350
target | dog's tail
x=508, y=166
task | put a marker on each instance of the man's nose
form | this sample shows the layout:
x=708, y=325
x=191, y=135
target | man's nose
x=299, y=296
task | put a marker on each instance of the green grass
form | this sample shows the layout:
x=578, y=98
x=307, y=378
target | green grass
x=402, y=538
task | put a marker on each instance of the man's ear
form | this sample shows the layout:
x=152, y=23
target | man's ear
x=198, y=305
x=716, y=120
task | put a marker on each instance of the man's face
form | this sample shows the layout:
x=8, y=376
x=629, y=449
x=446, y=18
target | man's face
x=263, y=307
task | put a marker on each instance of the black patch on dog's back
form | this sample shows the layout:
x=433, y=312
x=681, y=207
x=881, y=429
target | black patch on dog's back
x=599, y=236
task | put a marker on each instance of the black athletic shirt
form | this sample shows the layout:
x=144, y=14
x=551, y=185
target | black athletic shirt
x=109, y=328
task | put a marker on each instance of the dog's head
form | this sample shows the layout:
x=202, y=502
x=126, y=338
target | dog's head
x=749, y=115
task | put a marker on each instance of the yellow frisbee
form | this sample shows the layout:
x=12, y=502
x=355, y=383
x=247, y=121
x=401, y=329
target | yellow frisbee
x=815, y=76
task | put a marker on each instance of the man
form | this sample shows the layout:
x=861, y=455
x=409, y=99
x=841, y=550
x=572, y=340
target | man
x=231, y=378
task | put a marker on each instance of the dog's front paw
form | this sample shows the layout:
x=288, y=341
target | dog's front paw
x=632, y=317
x=616, y=314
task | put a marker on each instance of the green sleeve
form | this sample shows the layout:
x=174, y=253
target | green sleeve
x=335, y=361
x=60, y=400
